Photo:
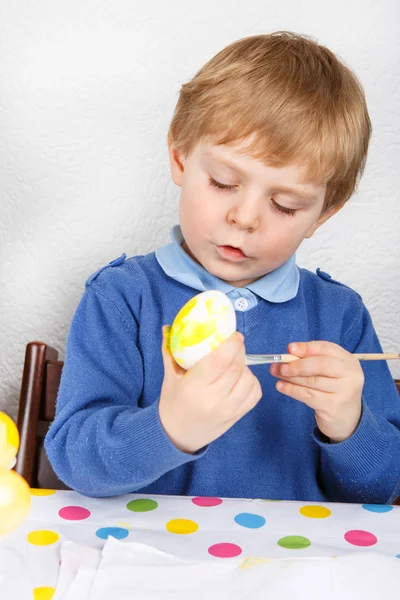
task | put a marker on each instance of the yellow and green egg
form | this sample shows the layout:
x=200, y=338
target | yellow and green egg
x=200, y=326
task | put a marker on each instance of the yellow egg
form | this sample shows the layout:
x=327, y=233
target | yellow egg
x=15, y=500
x=9, y=440
x=200, y=326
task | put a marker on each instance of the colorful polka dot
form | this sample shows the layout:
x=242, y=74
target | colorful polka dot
x=74, y=513
x=378, y=508
x=250, y=520
x=42, y=537
x=358, y=537
x=206, y=501
x=225, y=550
x=125, y=525
x=43, y=593
x=119, y=533
x=315, y=512
x=294, y=542
x=182, y=526
x=270, y=500
x=142, y=505
x=42, y=492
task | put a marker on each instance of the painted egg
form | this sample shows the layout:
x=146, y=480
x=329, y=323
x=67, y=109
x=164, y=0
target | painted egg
x=9, y=441
x=200, y=326
x=15, y=500
x=15, y=496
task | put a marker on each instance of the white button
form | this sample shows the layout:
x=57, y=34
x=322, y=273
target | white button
x=241, y=304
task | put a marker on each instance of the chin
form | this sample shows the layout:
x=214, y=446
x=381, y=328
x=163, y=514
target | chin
x=228, y=275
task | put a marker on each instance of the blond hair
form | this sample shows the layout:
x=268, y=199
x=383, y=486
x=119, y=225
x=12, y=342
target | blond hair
x=292, y=98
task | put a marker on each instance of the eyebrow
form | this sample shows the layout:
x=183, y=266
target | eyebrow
x=308, y=196
x=224, y=162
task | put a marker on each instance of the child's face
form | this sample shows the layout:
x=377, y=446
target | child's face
x=264, y=212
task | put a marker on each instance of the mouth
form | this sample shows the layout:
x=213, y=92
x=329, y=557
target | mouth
x=232, y=253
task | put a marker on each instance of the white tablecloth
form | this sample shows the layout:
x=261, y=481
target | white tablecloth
x=211, y=535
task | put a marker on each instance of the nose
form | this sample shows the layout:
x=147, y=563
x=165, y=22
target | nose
x=245, y=215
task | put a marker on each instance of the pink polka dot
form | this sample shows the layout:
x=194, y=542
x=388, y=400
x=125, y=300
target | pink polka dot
x=358, y=537
x=225, y=550
x=206, y=501
x=74, y=513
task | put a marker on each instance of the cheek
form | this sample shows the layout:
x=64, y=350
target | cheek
x=297, y=227
x=202, y=203
x=196, y=213
x=284, y=236
x=189, y=201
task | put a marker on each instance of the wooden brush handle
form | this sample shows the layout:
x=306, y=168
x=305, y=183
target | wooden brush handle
x=267, y=359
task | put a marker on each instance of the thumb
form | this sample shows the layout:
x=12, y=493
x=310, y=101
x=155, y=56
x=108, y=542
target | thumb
x=171, y=367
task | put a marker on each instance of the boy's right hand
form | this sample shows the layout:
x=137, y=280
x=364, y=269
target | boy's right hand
x=197, y=406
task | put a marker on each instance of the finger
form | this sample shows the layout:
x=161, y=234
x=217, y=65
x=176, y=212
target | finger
x=317, y=348
x=326, y=366
x=246, y=393
x=213, y=365
x=329, y=385
x=166, y=338
x=231, y=375
x=315, y=399
x=240, y=390
x=171, y=367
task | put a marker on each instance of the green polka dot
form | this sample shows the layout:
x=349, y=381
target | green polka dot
x=269, y=500
x=142, y=505
x=294, y=542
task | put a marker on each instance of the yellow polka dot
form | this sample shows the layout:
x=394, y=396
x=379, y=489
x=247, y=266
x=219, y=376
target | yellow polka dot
x=315, y=512
x=181, y=526
x=42, y=492
x=42, y=537
x=126, y=525
x=43, y=593
x=252, y=561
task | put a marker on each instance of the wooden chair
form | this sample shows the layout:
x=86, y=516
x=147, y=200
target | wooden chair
x=40, y=381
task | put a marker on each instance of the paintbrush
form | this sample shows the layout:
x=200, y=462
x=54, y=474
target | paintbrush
x=267, y=359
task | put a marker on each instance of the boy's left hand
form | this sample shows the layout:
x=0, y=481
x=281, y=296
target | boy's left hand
x=329, y=380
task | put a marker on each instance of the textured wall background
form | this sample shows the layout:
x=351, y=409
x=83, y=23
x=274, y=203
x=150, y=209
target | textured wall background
x=87, y=90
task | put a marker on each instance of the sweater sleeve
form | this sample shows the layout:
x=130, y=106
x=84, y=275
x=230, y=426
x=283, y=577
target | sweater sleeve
x=102, y=443
x=366, y=466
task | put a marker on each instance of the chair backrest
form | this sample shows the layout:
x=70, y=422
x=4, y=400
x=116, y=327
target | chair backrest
x=37, y=404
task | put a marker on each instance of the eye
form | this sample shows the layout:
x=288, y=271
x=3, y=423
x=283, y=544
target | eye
x=219, y=185
x=283, y=209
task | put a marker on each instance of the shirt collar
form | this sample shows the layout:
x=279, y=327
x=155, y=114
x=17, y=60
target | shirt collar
x=280, y=285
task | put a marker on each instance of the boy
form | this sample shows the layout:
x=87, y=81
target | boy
x=267, y=142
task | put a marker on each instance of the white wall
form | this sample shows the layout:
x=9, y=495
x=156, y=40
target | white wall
x=87, y=90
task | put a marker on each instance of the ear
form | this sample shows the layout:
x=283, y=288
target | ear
x=176, y=160
x=327, y=214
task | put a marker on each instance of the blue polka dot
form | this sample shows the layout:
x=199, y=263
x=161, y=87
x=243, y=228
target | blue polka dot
x=118, y=533
x=250, y=520
x=378, y=508
x=397, y=556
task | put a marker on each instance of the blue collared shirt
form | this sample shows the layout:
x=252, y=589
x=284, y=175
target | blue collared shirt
x=280, y=285
x=107, y=438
